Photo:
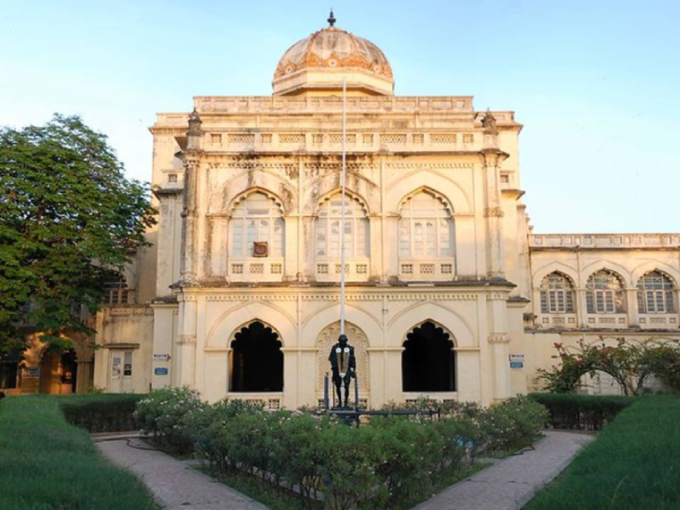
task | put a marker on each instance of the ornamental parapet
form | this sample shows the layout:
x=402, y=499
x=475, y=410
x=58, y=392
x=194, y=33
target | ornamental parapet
x=604, y=241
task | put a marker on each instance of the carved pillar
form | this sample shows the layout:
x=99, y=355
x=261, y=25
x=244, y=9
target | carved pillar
x=632, y=307
x=492, y=157
x=191, y=157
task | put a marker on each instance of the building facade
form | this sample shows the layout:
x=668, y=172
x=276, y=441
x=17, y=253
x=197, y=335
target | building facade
x=449, y=293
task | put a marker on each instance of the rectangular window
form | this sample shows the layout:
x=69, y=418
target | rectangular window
x=116, y=362
x=127, y=365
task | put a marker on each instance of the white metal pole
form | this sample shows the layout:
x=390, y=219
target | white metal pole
x=342, y=215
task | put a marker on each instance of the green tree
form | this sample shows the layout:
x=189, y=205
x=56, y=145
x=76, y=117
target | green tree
x=69, y=221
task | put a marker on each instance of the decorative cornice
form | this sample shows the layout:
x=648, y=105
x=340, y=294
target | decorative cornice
x=437, y=166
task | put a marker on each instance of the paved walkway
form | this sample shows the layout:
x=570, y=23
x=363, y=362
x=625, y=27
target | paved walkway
x=174, y=484
x=510, y=484
x=507, y=485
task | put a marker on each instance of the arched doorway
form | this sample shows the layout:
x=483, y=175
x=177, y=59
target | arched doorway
x=256, y=360
x=58, y=371
x=428, y=361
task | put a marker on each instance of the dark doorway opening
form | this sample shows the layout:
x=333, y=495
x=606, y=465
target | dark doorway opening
x=9, y=369
x=58, y=371
x=257, y=360
x=428, y=362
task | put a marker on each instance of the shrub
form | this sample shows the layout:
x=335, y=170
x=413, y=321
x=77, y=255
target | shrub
x=101, y=412
x=167, y=414
x=582, y=412
x=514, y=423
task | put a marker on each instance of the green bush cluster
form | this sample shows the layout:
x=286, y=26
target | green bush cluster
x=582, y=412
x=99, y=412
x=168, y=414
x=386, y=460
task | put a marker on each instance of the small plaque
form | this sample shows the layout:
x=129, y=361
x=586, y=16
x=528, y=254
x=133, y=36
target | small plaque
x=517, y=358
x=160, y=371
x=516, y=364
x=161, y=357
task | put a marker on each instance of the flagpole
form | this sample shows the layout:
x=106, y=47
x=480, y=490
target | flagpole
x=342, y=215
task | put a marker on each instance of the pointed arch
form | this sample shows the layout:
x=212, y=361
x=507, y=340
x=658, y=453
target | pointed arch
x=557, y=293
x=327, y=236
x=655, y=293
x=256, y=359
x=428, y=360
x=426, y=226
x=256, y=218
x=404, y=183
x=605, y=292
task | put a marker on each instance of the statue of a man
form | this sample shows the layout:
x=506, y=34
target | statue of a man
x=344, y=367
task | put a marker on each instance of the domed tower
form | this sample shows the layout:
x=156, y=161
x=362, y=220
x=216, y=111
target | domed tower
x=318, y=64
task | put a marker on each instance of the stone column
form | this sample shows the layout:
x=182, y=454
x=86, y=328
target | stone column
x=632, y=308
x=191, y=158
x=492, y=157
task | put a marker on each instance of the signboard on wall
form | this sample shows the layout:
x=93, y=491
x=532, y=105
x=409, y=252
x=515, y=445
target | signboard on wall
x=160, y=371
x=516, y=364
x=161, y=357
x=31, y=373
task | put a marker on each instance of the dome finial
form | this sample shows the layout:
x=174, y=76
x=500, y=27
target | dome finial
x=331, y=19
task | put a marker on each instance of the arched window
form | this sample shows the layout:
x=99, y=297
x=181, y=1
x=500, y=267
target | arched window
x=557, y=294
x=428, y=362
x=327, y=229
x=604, y=293
x=256, y=360
x=256, y=219
x=425, y=228
x=655, y=293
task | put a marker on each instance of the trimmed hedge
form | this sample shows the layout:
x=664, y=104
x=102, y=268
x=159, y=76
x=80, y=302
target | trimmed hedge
x=378, y=465
x=101, y=412
x=581, y=412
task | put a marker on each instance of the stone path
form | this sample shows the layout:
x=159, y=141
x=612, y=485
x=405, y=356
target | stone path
x=510, y=484
x=507, y=485
x=174, y=484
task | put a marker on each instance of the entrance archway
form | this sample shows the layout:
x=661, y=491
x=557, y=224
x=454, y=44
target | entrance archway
x=58, y=371
x=428, y=361
x=256, y=360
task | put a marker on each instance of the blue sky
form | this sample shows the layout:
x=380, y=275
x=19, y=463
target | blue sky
x=595, y=83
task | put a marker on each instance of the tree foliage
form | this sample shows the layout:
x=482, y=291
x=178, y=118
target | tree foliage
x=69, y=221
x=629, y=363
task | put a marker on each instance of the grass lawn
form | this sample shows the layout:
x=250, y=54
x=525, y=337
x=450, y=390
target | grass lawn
x=48, y=464
x=633, y=465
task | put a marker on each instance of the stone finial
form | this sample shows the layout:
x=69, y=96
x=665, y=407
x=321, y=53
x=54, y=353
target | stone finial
x=489, y=123
x=194, y=123
x=331, y=19
x=194, y=132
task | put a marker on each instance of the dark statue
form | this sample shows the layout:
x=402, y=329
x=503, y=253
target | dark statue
x=344, y=367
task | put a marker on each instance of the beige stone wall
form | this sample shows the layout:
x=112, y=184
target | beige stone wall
x=124, y=329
